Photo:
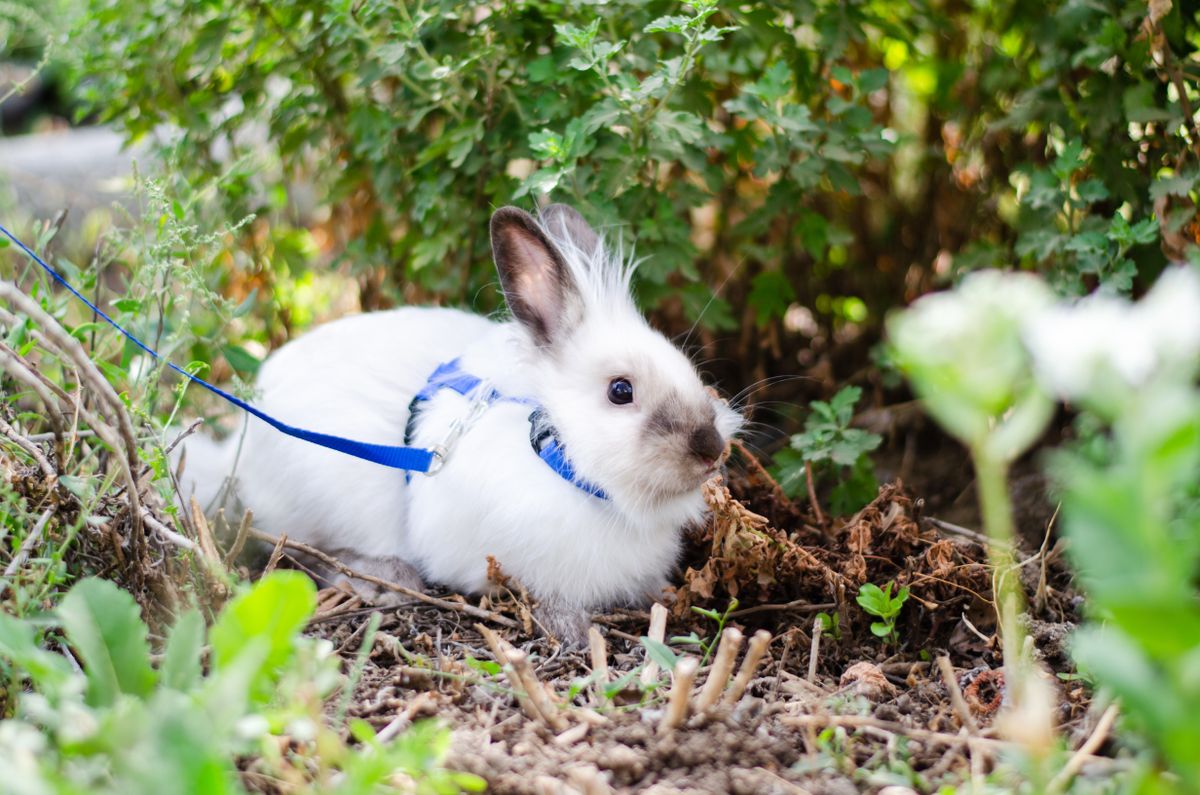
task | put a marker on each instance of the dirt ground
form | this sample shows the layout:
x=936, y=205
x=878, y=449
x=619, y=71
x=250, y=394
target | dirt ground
x=839, y=713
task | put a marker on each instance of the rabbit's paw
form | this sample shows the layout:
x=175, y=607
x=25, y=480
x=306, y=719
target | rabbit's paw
x=565, y=622
x=387, y=568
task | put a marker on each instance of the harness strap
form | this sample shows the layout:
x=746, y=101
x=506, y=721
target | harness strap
x=543, y=437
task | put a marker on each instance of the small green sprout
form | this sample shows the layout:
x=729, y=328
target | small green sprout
x=880, y=602
x=830, y=625
x=707, y=645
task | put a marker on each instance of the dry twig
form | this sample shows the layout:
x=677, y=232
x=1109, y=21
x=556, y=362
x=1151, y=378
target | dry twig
x=815, y=650
x=239, y=541
x=342, y=568
x=1084, y=754
x=956, y=696
x=599, y=653
x=31, y=540
x=812, y=494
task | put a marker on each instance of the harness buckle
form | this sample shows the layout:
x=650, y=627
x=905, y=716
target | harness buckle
x=482, y=397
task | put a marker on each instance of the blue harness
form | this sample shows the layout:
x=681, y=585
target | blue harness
x=543, y=437
x=410, y=459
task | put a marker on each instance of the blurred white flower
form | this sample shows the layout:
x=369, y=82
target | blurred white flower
x=1170, y=312
x=20, y=747
x=962, y=351
x=302, y=729
x=77, y=724
x=1086, y=350
x=251, y=727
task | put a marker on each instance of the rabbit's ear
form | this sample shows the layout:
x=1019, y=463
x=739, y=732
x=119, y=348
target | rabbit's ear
x=566, y=221
x=537, y=285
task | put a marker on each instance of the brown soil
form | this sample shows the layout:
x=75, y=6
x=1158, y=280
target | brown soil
x=874, y=713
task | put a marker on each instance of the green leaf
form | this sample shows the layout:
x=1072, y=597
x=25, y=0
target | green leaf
x=547, y=144
x=620, y=683
x=770, y=294
x=855, y=490
x=660, y=653
x=181, y=668
x=671, y=24
x=1179, y=185
x=1069, y=160
x=103, y=623
x=489, y=667
x=871, y=80
x=265, y=620
x=576, y=36
x=774, y=85
x=872, y=599
x=241, y=359
x=18, y=643
x=881, y=630
x=843, y=403
x=1091, y=191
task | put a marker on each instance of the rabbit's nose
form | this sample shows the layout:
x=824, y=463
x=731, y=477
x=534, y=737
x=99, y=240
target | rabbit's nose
x=705, y=443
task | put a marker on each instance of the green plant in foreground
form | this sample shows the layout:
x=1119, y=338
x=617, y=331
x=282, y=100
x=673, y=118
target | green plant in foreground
x=963, y=353
x=122, y=725
x=880, y=602
x=835, y=450
x=1130, y=509
x=985, y=358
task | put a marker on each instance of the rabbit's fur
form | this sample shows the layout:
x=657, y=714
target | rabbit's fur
x=575, y=329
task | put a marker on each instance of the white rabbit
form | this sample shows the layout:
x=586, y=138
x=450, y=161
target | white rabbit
x=626, y=407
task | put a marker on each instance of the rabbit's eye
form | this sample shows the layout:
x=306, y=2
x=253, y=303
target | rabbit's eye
x=620, y=391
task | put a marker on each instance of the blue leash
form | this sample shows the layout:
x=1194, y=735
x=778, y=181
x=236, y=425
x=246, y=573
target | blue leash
x=413, y=459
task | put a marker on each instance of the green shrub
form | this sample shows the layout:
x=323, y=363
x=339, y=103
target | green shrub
x=818, y=152
x=835, y=451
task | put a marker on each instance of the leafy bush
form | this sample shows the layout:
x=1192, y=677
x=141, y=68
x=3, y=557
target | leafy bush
x=120, y=725
x=837, y=452
x=776, y=155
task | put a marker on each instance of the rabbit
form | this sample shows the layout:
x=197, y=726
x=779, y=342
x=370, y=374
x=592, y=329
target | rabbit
x=576, y=363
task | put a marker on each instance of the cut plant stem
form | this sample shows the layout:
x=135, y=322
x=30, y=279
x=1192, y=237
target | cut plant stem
x=681, y=689
x=599, y=652
x=535, y=690
x=815, y=649
x=754, y=655
x=658, y=632
x=523, y=692
x=722, y=667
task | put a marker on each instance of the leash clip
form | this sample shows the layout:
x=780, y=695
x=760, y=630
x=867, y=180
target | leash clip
x=481, y=399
